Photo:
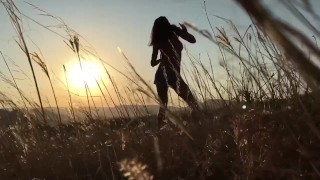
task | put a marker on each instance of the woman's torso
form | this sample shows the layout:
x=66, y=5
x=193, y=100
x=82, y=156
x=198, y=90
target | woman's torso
x=170, y=52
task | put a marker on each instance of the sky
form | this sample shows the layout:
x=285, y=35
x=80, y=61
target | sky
x=106, y=25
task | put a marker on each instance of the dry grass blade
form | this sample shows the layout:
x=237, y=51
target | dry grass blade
x=277, y=31
x=70, y=99
x=15, y=83
x=13, y=12
x=35, y=56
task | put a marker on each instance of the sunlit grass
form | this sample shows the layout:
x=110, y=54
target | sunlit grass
x=262, y=122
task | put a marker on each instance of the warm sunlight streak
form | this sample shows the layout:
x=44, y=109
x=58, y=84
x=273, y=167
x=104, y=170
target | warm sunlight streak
x=89, y=74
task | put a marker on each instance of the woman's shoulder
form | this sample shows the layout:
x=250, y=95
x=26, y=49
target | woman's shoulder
x=175, y=29
x=173, y=26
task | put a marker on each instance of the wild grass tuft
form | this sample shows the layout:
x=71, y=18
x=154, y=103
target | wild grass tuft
x=260, y=121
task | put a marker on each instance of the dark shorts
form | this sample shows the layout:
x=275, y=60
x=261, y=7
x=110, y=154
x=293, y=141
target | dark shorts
x=167, y=76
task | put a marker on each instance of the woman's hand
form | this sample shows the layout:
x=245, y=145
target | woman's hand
x=183, y=28
x=184, y=34
x=155, y=62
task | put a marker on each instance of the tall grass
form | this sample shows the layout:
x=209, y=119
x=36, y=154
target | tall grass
x=280, y=33
x=17, y=23
x=268, y=140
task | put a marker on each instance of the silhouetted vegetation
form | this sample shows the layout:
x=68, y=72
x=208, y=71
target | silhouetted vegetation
x=260, y=122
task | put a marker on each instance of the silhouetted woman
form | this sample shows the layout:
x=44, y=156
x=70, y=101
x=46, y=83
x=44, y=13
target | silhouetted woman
x=165, y=39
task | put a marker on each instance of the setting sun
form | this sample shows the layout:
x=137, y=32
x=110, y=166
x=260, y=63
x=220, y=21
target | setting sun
x=89, y=74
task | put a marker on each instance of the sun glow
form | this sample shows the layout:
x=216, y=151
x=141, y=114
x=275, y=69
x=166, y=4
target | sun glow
x=86, y=74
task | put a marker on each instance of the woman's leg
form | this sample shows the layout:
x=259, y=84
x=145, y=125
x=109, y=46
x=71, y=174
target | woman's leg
x=183, y=90
x=162, y=90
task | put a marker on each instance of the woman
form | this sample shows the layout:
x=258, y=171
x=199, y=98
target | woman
x=165, y=39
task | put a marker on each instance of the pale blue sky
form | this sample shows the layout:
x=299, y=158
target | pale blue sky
x=107, y=24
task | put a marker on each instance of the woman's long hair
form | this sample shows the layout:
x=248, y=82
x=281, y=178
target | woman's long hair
x=161, y=30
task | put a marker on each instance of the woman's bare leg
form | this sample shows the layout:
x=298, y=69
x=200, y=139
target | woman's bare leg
x=185, y=93
x=162, y=90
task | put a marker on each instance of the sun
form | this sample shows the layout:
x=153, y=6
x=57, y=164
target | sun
x=87, y=73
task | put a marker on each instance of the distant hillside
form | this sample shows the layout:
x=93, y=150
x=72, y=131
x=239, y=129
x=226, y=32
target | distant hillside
x=9, y=117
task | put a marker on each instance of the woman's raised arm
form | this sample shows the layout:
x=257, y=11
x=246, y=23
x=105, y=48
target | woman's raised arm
x=184, y=34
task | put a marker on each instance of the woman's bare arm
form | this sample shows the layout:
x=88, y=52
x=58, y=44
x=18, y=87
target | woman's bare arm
x=184, y=34
x=154, y=60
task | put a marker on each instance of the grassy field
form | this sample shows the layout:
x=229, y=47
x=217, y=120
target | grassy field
x=252, y=144
x=274, y=136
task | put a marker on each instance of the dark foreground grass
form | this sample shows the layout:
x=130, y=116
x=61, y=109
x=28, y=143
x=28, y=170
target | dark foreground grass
x=229, y=144
x=276, y=137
